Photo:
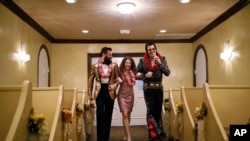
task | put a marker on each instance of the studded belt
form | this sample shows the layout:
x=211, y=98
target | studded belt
x=152, y=85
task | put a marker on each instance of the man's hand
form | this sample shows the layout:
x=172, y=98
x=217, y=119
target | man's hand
x=149, y=74
x=111, y=87
x=157, y=60
x=91, y=98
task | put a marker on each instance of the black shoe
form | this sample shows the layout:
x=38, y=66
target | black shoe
x=163, y=135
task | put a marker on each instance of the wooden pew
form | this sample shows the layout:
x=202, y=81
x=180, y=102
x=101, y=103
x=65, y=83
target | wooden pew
x=175, y=96
x=192, y=97
x=165, y=114
x=70, y=101
x=81, y=135
x=16, y=103
x=226, y=105
x=81, y=96
x=48, y=100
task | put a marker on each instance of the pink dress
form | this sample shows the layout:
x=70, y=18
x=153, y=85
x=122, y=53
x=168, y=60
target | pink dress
x=125, y=96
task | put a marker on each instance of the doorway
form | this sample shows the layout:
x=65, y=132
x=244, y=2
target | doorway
x=139, y=110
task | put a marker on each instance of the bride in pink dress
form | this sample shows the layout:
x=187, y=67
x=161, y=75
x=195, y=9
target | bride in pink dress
x=125, y=95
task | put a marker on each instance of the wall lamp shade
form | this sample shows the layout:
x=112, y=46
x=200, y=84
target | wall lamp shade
x=22, y=56
x=226, y=55
x=126, y=7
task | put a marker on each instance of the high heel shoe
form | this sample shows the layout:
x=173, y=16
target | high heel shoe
x=128, y=139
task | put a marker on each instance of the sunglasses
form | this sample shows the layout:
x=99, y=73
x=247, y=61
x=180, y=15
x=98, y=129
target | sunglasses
x=151, y=49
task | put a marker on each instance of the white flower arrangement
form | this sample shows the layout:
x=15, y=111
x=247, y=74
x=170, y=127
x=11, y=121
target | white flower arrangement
x=79, y=109
x=167, y=106
x=179, y=107
x=89, y=105
x=201, y=111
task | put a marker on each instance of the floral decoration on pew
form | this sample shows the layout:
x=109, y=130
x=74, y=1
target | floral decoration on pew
x=167, y=105
x=67, y=121
x=80, y=122
x=179, y=107
x=66, y=115
x=79, y=109
x=89, y=117
x=37, y=124
x=178, y=121
x=90, y=104
x=201, y=111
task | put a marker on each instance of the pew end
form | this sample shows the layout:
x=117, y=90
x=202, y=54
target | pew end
x=16, y=112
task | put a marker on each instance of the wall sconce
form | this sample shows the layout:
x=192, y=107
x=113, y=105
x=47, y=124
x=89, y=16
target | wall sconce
x=227, y=54
x=22, y=56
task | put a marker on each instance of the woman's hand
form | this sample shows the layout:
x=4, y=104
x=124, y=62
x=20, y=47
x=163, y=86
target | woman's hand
x=138, y=75
x=119, y=80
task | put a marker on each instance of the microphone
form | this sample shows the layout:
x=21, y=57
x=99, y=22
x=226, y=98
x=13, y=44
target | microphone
x=156, y=58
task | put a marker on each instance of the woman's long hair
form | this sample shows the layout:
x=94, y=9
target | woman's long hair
x=122, y=65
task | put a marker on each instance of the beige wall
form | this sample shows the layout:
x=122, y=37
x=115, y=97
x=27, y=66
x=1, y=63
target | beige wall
x=69, y=62
x=13, y=31
x=237, y=30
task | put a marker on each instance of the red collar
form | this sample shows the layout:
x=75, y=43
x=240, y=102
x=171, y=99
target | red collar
x=148, y=63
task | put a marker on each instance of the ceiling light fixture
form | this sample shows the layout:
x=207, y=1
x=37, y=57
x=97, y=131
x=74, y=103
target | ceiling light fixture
x=184, y=1
x=125, y=31
x=85, y=31
x=71, y=1
x=163, y=31
x=126, y=7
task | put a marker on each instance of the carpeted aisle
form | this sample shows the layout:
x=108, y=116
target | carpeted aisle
x=138, y=133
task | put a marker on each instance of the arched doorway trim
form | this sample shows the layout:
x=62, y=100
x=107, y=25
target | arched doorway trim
x=43, y=49
x=199, y=48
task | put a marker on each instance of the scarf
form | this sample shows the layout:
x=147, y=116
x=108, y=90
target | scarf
x=148, y=62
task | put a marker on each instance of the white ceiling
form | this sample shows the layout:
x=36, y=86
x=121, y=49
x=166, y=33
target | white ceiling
x=63, y=21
